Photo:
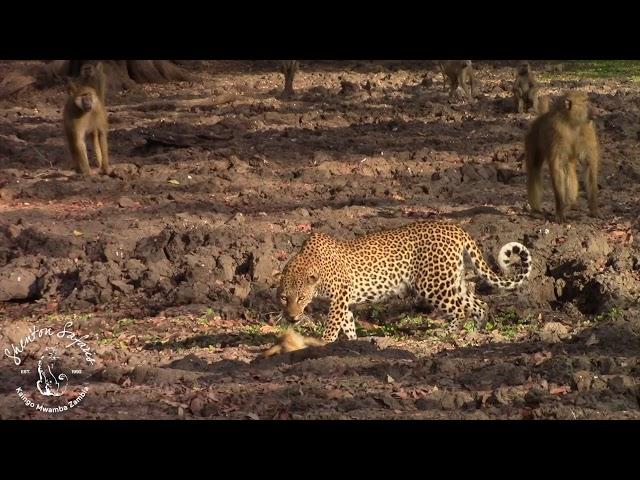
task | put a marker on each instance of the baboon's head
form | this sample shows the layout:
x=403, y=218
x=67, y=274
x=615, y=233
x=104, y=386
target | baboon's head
x=576, y=107
x=87, y=71
x=523, y=69
x=84, y=97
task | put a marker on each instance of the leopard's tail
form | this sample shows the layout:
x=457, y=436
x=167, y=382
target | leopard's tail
x=505, y=258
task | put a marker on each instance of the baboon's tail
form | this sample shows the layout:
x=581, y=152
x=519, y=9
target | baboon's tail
x=505, y=258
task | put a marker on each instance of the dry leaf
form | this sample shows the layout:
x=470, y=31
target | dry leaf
x=527, y=413
x=560, y=390
x=401, y=394
x=253, y=416
x=540, y=357
x=174, y=182
x=78, y=233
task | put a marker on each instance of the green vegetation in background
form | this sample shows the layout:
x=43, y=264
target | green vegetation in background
x=598, y=69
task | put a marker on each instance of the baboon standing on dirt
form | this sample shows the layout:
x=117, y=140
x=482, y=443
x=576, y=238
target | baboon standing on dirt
x=563, y=137
x=458, y=73
x=84, y=114
x=289, y=68
x=525, y=89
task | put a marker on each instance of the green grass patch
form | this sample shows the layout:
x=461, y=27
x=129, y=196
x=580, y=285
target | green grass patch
x=377, y=311
x=470, y=326
x=64, y=317
x=613, y=314
x=310, y=329
x=204, y=321
x=509, y=323
x=256, y=329
x=597, y=69
x=406, y=325
x=123, y=322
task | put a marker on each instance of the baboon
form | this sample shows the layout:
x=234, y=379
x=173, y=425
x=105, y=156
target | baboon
x=289, y=68
x=291, y=341
x=458, y=73
x=347, y=87
x=589, y=154
x=563, y=137
x=543, y=104
x=444, y=74
x=84, y=114
x=427, y=82
x=93, y=75
x=525, y=89
x=368, y=87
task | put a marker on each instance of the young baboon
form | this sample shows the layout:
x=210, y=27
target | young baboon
x=459, y=73
x=84, y=114
x=289, y=68
x=563, y=137
x=525, y=89
x=93, y=75
x=291, y=341
x=347, y=87
x=368, y=87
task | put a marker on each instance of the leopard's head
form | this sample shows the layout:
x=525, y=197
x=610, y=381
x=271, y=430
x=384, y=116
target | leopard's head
x=298, y=283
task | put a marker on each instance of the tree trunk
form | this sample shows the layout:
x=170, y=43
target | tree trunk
x=120, y=74
x=123, y=73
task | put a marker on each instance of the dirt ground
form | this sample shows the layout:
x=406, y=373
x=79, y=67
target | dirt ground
x=167, y=265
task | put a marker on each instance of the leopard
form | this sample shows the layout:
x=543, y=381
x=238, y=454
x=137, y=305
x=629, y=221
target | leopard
x=425, y=257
